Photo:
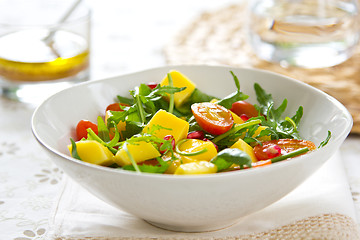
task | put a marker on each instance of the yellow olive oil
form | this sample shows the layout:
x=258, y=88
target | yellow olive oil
x=25, y=56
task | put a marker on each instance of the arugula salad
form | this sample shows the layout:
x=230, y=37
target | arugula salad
x=172, y=127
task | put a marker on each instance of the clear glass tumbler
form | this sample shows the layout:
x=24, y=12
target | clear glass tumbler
x=39, y=53
x=304, y=33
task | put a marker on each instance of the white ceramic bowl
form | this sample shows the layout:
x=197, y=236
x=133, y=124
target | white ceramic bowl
x=192, y=203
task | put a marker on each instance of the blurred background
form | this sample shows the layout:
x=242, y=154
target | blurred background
x=130, y=35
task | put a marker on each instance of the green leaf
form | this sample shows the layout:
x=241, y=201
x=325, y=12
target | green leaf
x=139, y=107
x=147, y=168
x=103, y=131
x=233, y=97
x=171, y=100
x=132, y=128
x=125, y=100
x=323, y=143
x=236, y=80
x=232, y=156
x=265, y=100
x=237, y=128
x=117, y=116
x=74, y=152
x=298, y=115
x=92, y=136
x=164, y=91
x=280, y=128
x=199, y=96
x=163, y=104
x=230, y=99
x=294, y=153
x=116, y=138
x=133, y=162
x=221, y=163
x=160, y=168
x=196, y=97
x=279, y=111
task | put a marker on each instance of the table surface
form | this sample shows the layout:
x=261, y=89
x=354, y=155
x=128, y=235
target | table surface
x=127, y=36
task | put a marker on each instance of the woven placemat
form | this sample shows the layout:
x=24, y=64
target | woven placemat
x=219, y=37
x=323, y=227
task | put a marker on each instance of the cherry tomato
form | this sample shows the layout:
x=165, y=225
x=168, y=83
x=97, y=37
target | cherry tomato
x=196, y=135
x=213, y=118
x=274, y=148
x=245, y=109
x=244, y=117
x=152, y=85
x=116, y=107
x=82, y=126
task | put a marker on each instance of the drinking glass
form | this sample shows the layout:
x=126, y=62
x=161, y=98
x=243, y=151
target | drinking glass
x=39, y=53
x=304, y=33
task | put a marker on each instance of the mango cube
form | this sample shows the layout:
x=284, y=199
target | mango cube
x=195, y=145
x=175, y=126
x=243, y=146
x=237, y=119
x=200, y=167
x=140, y=151
x=93, y=152
x=173, y=166
x=180, y=80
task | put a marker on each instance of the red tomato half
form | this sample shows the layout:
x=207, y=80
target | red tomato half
x=213, y=118
x=268, y=149
x=116, y=106
x=152, y=85
x=81, y=129
x=244, y=108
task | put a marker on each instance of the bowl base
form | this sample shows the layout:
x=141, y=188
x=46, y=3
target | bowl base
x=194, y=228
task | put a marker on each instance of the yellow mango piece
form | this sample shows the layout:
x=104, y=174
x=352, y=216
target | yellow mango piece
x=237, y=119
x=93, y=152
x=121, y=126
x=243, y=146
x=140, y=152
x=195, y=145
x=175, y=126
x=200, y=167
x=179, y=80
x=173, y=166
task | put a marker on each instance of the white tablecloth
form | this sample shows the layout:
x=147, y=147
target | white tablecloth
x=127, y=36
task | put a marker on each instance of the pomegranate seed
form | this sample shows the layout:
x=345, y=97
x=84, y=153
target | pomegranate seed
x=217, y=148
x=168, y=137
x=196, y=135
x=273, y=151
x=152, y=85
x=244, y=117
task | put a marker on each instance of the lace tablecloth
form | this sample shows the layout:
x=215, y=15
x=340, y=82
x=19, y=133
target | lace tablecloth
x=127, y=36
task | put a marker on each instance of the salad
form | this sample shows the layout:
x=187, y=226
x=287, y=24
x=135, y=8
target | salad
x=172, y=127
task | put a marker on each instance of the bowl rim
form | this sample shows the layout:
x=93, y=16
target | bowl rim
x=343, y=134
